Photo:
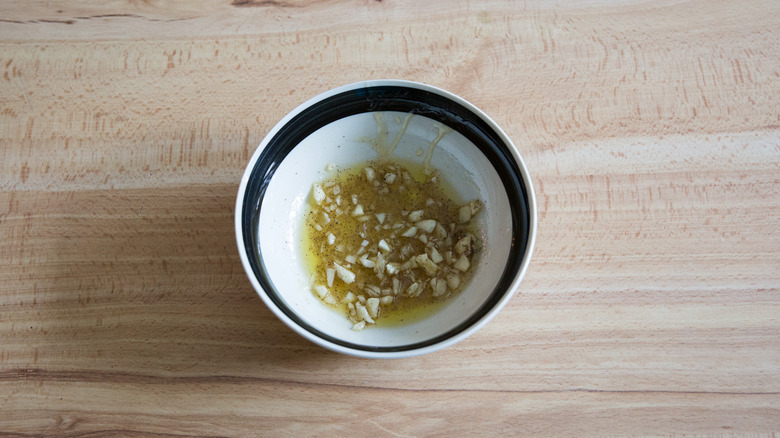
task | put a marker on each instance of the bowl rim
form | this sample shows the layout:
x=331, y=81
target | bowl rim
x=473, y=326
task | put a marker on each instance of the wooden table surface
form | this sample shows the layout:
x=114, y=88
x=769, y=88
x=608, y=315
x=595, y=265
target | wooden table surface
x=652, y=131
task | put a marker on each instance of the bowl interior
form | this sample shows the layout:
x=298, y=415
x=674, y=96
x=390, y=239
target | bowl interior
x=343, y=143
x=475, y=158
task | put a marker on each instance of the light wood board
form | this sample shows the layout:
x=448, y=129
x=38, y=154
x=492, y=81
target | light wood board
x=651, y=129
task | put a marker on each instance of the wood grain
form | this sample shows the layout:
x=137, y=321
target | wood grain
x=652, y=305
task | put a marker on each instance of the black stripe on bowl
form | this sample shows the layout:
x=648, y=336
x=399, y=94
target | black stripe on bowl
x=401, y=99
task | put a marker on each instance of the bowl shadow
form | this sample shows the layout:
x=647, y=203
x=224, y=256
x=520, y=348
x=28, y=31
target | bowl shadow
x=149, y=282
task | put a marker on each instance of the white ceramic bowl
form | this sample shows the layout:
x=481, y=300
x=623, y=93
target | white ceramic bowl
x=477, y=159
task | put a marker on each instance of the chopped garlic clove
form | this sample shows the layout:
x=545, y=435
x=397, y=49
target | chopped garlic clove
x=331, y=239
x=389, y=178
x=359, y=326
x=441, y=233
x=330, y=274
x=435, y=256
x=317, y=193
x=427, y=264
x=413, y=289
x=426, y=225
x=411, y=232
x=462, y=264
x=380, y=265
x=344, y=274
x=330, y=300
x=365, y=261
x=415, y=215
x=453, y=281
x=384, y=246
x=349, y=298
x=396, y=286
x=439, y=287
x=464, y=214
x=358, y=211
x=467, y=211
x=380, y=217
x=464, y=245
x=370, y=174
x=362, y=313
x=392, y=268
x=372, y=305
x=409, y=264
x=350, y=259
x=321, y=290
x=374, y=291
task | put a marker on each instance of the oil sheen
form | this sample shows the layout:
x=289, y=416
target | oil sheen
x=414, y=187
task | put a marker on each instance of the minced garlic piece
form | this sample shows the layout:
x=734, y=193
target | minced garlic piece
x=344, y=274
